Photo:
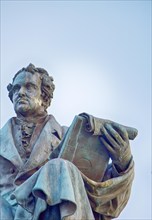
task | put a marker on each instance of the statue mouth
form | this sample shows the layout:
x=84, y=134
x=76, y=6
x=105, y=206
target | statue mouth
x=22, y=101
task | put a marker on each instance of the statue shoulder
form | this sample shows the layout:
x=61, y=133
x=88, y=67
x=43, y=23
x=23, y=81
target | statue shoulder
x=7, y=125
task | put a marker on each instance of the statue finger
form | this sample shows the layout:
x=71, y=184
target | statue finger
x=107, y=146
x=115, y=134
x=121, y=130
x=109, y=138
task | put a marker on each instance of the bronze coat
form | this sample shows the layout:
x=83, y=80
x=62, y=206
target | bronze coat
x=107, y=198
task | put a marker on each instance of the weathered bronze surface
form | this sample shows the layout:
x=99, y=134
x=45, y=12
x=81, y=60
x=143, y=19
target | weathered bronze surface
x=85, y=150
x=50, y=172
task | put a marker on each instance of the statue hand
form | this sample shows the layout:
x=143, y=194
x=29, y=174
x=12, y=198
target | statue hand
x=115, y=139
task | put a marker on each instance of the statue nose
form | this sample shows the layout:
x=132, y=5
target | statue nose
x=21, y=92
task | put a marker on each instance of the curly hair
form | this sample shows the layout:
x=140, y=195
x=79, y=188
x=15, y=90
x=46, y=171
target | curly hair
x=47, y=85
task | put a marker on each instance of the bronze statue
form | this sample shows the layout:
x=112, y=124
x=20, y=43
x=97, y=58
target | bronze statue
x=36, y=182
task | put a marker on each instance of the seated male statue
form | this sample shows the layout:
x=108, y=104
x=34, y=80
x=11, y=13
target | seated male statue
x=35, y=184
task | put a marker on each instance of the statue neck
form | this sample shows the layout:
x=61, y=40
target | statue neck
x=38, y=119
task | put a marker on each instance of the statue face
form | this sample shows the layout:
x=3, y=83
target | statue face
x=27, y=98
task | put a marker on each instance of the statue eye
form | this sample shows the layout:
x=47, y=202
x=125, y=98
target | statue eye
x=30, y=87
x=16, y=88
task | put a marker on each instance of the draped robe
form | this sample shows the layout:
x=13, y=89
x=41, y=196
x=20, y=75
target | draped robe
x=54, y=189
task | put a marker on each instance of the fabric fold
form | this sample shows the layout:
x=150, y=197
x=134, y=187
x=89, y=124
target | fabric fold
x=111, y=196
x=57, y=183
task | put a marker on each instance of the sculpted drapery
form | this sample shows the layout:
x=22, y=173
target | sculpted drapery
x=35, y=183
x=35, y=193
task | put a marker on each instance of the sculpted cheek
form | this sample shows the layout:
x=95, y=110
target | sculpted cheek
x=38, y=102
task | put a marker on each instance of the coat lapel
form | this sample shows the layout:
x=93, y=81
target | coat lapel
x=41, y=149
x=8, y=149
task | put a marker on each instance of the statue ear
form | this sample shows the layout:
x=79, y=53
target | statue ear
x=10, y=91
x=9, y=87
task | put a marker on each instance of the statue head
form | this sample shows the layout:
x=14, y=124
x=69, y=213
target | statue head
x=31, y=86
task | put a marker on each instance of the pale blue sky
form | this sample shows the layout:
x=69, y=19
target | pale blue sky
x=99, y=53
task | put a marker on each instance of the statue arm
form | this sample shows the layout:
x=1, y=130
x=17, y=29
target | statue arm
x=109, y=197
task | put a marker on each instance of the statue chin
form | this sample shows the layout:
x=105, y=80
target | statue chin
x=22, y=110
